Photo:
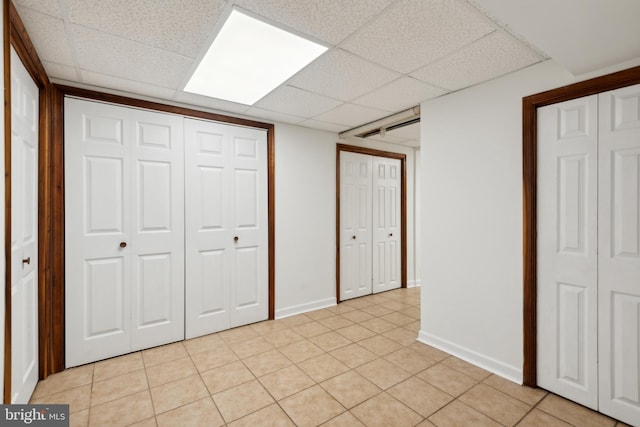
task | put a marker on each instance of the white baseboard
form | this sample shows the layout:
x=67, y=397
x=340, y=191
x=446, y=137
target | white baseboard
x=494, y=366
x=303, y=308
x=414, y=283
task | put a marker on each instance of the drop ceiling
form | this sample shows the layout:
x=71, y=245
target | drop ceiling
x=385, y=56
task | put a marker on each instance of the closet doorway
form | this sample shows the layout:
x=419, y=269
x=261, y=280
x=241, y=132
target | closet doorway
x=370, y=221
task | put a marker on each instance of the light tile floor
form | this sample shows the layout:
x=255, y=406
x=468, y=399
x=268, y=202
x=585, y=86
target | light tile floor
x=354, y=364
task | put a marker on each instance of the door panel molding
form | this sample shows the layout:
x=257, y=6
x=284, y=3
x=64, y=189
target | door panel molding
x=530, y=105
x=403, y=206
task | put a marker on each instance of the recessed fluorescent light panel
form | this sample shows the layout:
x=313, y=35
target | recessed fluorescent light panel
x=249, y=58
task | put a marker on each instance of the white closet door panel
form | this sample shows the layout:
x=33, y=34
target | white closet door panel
x=386, y=226
x=355, y=225
x=157, y=218
x=567, y=249
x=24, y=232
x=619, y=254
x=249, y=292
x=98, y=188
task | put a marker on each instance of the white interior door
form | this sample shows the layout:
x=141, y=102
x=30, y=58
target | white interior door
x=567, y=249
x=386, y=224
x=355, y=225
x=226, y=226
x=619, y=254
x=24, y=232
x=123, y=230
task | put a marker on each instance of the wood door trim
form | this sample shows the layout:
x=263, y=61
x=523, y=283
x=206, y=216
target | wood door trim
x=57, y=182
x=16, y=36
x=530, y=104
x=403, y=207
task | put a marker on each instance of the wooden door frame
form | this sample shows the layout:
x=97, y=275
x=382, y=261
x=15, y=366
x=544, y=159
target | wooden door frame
x=15, y=35
x=530, y=104
x=403, y=206
x=57, y=180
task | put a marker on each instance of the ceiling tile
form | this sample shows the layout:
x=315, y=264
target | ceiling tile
x=177, y=26
x=399, y=95
x=103, y=53
x=60, y=71
x=110, y=82
x=341, y=75
x=291, y=100
x=48, y=36
x=416, y=32
x=351, y=115
x=329, y=21
x=214, y=103
x=489, y=57
x=317, y=124
x=272, y=116
x=45, y=6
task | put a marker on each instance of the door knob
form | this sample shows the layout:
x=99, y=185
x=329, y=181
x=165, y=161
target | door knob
x=353, y=237
x=26, y=261
x=123, y=244
x=235, y=238
x=390, y=234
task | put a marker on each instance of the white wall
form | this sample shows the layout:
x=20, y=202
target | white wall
x=2, y=236
x=472, y=218
x=305, y=204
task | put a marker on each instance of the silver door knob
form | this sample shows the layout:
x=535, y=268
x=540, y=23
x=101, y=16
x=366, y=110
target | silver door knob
x=123, y=244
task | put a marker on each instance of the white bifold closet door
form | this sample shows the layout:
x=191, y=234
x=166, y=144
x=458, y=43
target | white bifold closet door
x=124, y=230
x=226, y=226
x=369, y=224
x=589, y=251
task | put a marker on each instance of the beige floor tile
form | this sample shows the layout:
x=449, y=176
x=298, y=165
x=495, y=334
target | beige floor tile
x=271, y=416
x=268, y=326
x=466, y=368
x=238, y=334
x=412, y=312
x=78, y=398
x=115, y=388
x=283, y=337
x=335, y=322
x=79, y=419
x=346, y=419
x=302, y=350
x=117, y=366
x=210, y=359
x=226, y=376
x=320, y=314
x=311, y=329
x=528, y=395
x=242, y=400
x=420, y=396
x=163, y=354
x=495, y=404
x=428, y=351
x=330, y=341
x=447, y=379
x=250, y=347
x=170, y=371
x=410, y=360
x=413, y=327
x=265, y=363
x=537, y=418
x=124, y=411
x=379, y=345
x=173, y=395
x=297, y=320
x=355, y=332
x=377, y=310
x=323, y=367
x=402, y=336
x=353, y=355
x=286, y=381
x=202, y=412
x=458, y=414
x=65, y=380
x=382, y=373
x=350, y=388
x=357, y=316
x=378, y=325
x=398, y=319
x=204, y=343
x=426, y=423
x=573, y=413
x=384, y=411
x=358, y=303
x=149, y=422
x=341, y=308
x=311, y=407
